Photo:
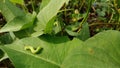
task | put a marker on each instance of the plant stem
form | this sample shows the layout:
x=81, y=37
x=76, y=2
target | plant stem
x=111, y=17
x=25, y=8
x=117, y=12
x=85, y=18
x=65, y=10
x=103, y=24
x=32, y=3
x=82, y=3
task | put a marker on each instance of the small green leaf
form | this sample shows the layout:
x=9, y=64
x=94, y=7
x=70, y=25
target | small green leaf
x=49, y=26
x=18, y=1
x=47, y=13
x=19, y=23
x=57, y=27
x=6, y=39
x=84, y=33
x=71, y=30
x=9, y=10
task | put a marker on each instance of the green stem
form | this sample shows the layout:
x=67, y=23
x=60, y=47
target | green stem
x=32, y=2
x=117, y=13
x=65, y=10
x=94, y=24
x=82, y=3
x=111, y=17
x=85, y=18
x=25, y=8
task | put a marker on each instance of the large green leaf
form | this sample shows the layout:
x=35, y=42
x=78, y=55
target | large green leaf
x=53, y=54
x=44, y=3
x=100, y=51
x=47, y=13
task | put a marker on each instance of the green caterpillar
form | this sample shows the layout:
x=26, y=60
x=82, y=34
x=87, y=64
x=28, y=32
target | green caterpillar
x=32, y=49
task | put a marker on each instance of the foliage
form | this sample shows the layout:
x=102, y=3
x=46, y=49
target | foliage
x=55, y=33
x=61, y=53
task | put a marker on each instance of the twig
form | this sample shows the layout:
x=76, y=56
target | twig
x=103, y=24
